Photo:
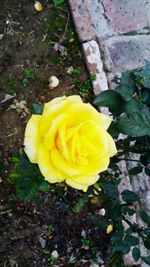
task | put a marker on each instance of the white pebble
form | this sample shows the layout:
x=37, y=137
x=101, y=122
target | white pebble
x=54, y=254
x=53, y=82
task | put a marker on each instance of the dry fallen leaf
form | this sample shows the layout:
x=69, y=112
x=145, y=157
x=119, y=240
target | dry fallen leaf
x=38, y=6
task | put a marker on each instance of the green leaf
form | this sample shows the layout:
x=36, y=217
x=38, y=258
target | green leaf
x=27, y=177
x=144, y=159
x=122, y=248
x=127, y=78
x=110, y=189
x=27, y=187
x=58, y=2
x=146, y=241
x=113, y=208
x=117, y=236
x=1, y=168
x=111, y=99
x=144, y=216
x=131, y=240
x=113, y=130
x=146, y=259
x=129, y=231
x=144, y=74
x=101, y=224
x=45, y=186
x=133, y=106
x=135, y=170
x=125, y=209
x=135, y=124
x=136, y=253
x=81, y=204
x=38, y=201
x=147, y=171
x=131, y=212
x=125, y=91
x=146, y=96
x=129, y=196
x=36, y=109
x=147, y=64
x=26, y=168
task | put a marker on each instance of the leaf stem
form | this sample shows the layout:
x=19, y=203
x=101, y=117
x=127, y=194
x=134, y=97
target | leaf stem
x=127, y=159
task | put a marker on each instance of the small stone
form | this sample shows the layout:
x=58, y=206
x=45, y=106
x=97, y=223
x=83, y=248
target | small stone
x=1, y=36
x=71, y=40
x=83, y=233
x=53, y=82
x=42, y=242
x=70, y=70
x=54, y=254
x=102, y=212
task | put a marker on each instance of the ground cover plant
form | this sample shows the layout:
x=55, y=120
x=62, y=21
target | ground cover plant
x=48, y=222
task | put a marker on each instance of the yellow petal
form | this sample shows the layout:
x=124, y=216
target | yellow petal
x=51, y=113
x=58, y=102
x=50, y=137
x=75, y=98
x=87, y=147
x=82, y=112
x=71, y=131
x=95, y=166
x=76, y=185
x=52, y=102
x=61, y=143
x=82, y=161
x=62, y=165
x=47, y=169
x=96, y=136
x=112, y=150
x=32, y=138
x=85, y=180
x=32, y=125
x=105, y=121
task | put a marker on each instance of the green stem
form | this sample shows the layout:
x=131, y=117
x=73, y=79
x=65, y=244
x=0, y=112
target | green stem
x=135, y=228
x=129, y=159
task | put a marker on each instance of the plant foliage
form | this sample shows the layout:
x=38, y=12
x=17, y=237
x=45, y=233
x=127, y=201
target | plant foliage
x=129, y=105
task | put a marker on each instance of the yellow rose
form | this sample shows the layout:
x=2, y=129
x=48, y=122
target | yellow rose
x=70, y=142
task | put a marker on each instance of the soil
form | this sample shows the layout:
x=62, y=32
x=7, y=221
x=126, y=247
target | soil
x=31, y=233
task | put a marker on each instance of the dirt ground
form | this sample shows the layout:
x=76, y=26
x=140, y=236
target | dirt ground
x=33, y=47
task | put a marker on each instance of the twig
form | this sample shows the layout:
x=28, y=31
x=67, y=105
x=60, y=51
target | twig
x=65, y=31
x=129, y=159
x=61, y=9
x=5, y=211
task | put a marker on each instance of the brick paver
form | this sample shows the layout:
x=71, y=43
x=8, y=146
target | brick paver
x=95, y=66
x=126, y=15
x=126, y=52
x=82, y=18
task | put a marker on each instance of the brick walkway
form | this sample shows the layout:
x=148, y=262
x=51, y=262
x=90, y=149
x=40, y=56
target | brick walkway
x=115, y=36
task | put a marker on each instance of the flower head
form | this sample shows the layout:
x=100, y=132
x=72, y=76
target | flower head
x=70, y=142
